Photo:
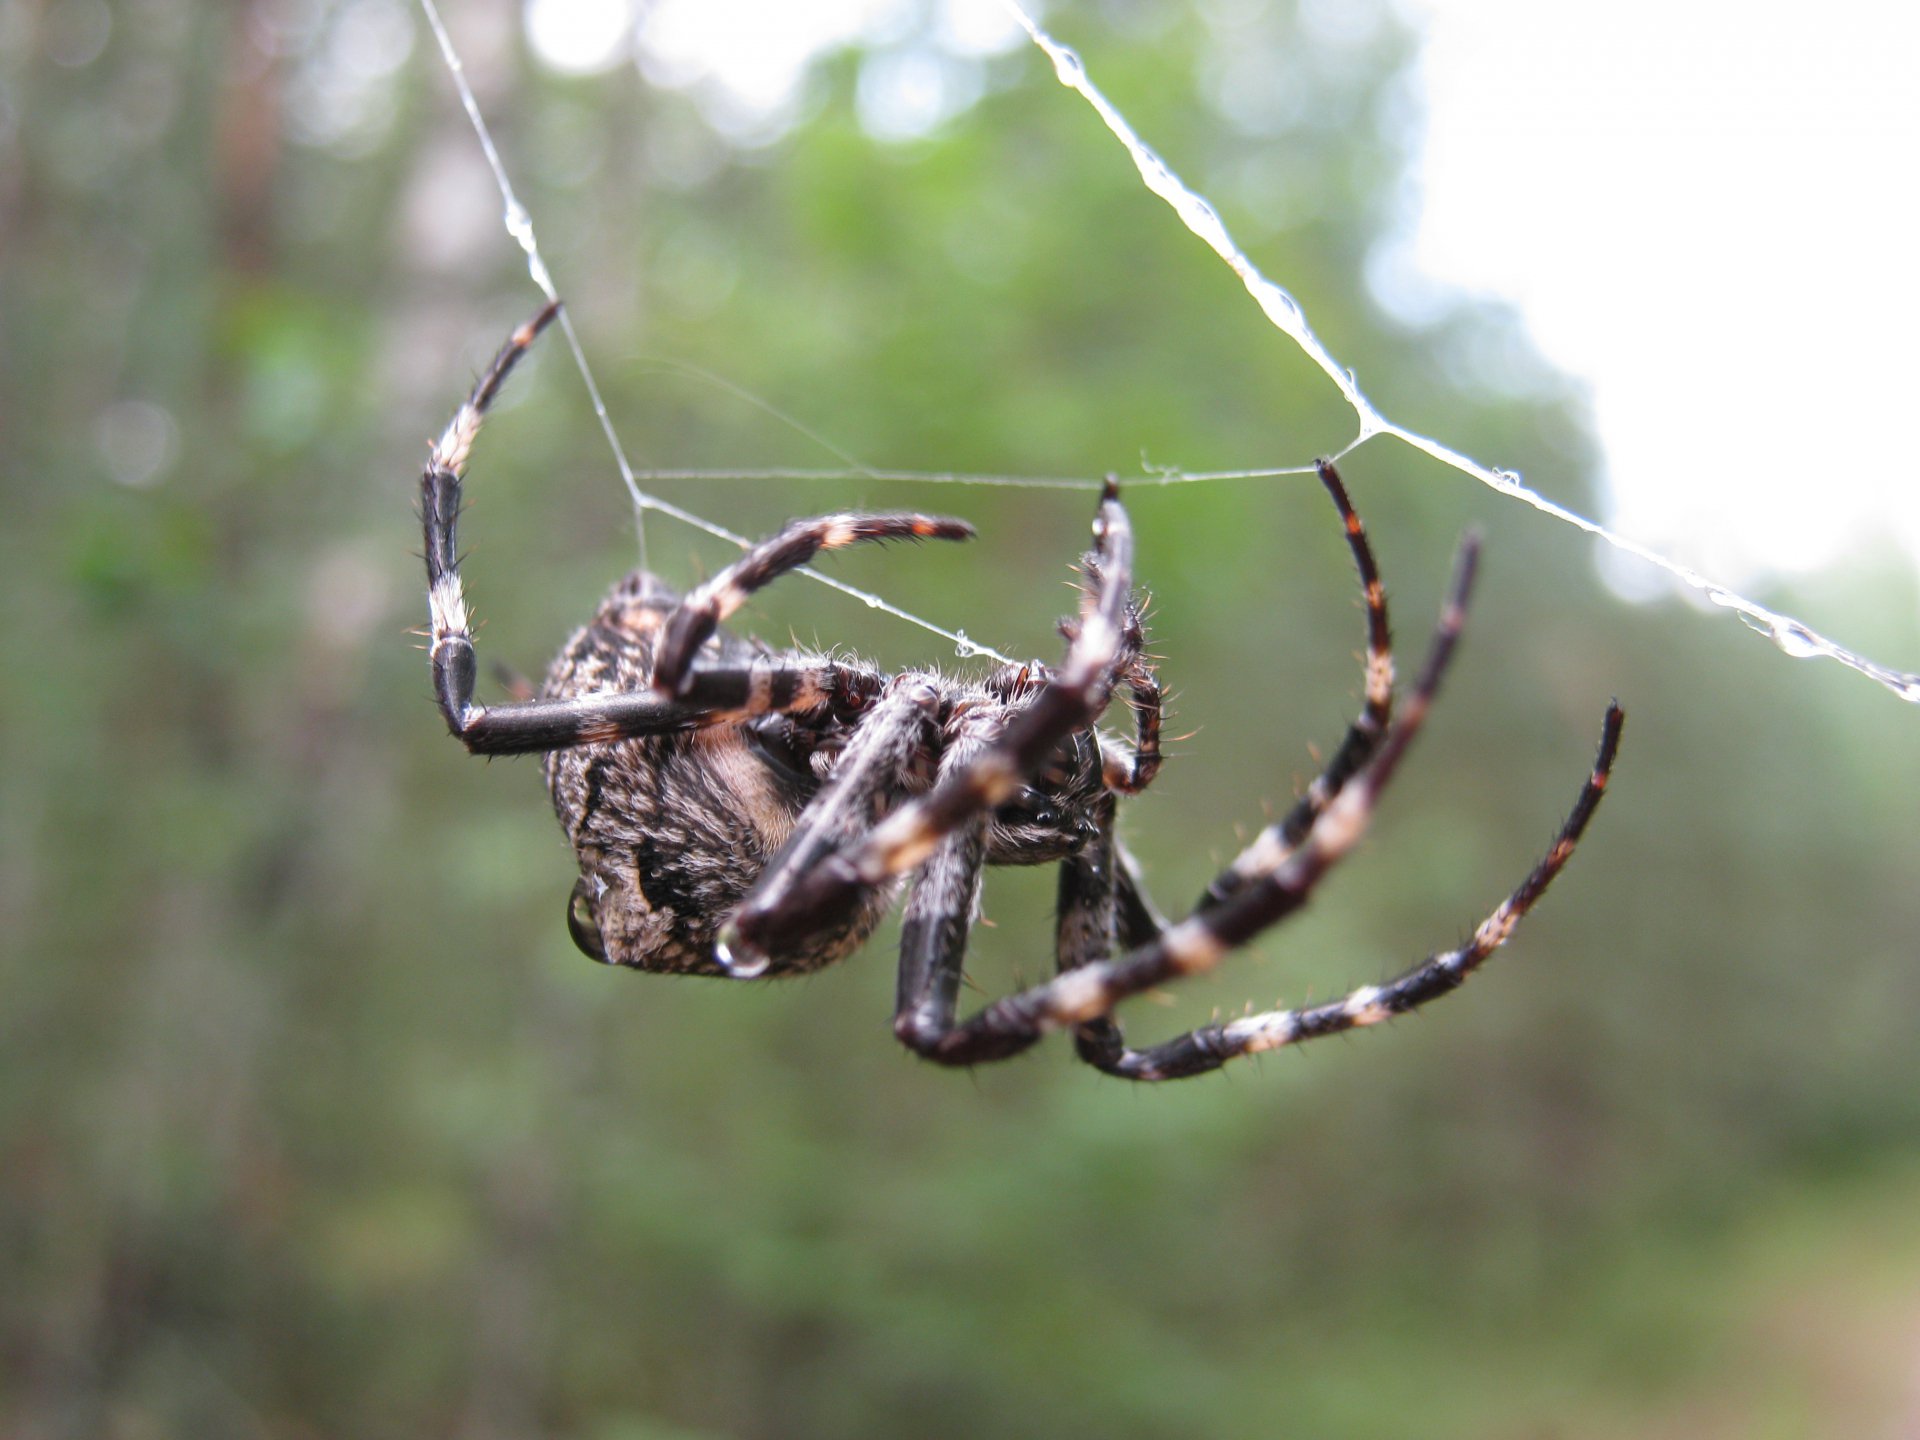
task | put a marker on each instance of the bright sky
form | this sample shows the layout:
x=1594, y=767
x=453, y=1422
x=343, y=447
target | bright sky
x=1707, y=210
x=1702, y=208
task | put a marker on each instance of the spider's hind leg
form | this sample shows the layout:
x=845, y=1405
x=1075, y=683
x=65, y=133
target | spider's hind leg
x=450, y=637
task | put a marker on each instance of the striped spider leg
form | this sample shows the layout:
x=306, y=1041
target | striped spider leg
x=1102, y=898
x=1269, y=887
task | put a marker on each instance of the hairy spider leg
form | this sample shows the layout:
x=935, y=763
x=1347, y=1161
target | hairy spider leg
x=933, y=935
x=703, y=610
x=1099, y=901
x=939, y=911
x=892, y=733
x=1088, y=992
x=1089, y=985
x=1099, y=884
x=1129, y=768
x=711, y=697
x=451, y=637
x=1072, y=698
x=1363, y=736
x=716, y=697
x=1212, y=1046
x=1088, y=919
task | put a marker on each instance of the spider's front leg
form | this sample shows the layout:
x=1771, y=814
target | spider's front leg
x=1363, y=736
x=1102, y=900
x=1211, y=1046
x=1084, y=996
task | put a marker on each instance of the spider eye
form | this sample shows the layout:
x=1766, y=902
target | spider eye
x=581, y=923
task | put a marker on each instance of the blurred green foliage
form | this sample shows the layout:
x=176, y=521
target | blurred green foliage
x=311, y=1120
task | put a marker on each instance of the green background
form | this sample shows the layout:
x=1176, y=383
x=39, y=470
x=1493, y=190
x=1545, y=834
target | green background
x=312, y=1122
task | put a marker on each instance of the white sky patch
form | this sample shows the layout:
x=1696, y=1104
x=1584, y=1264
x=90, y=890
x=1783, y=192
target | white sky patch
x=750, y=55
x=580, y=37
x=1706, y=211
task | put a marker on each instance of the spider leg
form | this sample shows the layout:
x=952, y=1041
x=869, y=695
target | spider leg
x=451, y=635
x=934, y=932
x=1362, y=737
x=1087, y=993
x=701, y=613
x=1130, y=768
x=933, y=937
x=705, y=698
x=1099, y=890
x=1138, y=918
x=1085, y=908
x=1099, y=901
x=1211, y=1046
x=868, y=775
x=712, y=697
x=1072, y=698
x=938, y=918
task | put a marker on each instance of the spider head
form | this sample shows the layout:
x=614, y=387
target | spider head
x=1057, y=814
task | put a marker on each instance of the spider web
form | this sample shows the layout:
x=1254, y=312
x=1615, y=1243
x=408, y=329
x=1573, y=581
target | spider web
x=1792, y=637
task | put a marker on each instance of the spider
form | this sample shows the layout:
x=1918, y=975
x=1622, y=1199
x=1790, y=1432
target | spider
x=742, y=811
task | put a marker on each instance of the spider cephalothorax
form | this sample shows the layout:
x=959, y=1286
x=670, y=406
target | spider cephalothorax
x=738, y=810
